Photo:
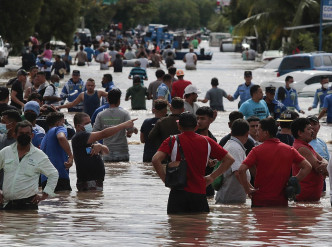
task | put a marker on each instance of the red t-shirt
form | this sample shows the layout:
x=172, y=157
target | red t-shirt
x=312, y=184
x=178, y=88
x=273, y=160
x=195, y=149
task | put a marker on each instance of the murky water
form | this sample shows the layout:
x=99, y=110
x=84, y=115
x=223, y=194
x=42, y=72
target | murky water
x=131, y=211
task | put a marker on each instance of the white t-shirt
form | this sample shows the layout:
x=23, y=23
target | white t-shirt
x=144, y=62
x=190, y=59
x=52, y=91
x=101, y=58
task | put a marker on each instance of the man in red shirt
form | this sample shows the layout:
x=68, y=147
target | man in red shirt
x=179, y=85
x=311, y=185
x=196, y=149
x=273, y=160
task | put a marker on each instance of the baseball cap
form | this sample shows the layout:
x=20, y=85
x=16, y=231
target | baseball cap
x=247, y=73
x=76, y=72
x=313, y=118
x=191, y=89
x=179, y=72
x=187, y=120
x=270, y=89
x=22, y=72
x=32, y=106
x=287, y=116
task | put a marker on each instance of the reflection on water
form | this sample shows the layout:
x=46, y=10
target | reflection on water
x=131, y=211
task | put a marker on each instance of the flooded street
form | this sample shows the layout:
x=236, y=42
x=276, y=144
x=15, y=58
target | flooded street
x=131, y=211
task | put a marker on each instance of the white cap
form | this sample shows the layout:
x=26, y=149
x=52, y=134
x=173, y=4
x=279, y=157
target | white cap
x=191, y=89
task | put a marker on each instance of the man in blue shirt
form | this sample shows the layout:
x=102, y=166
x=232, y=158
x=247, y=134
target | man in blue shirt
x=255, y=106
x=288, y=95
x=321, y=93
x=72, y=89
x=275, y=106
x=108, y=84
x=163, y=90
x=89, y=52
x=243, y=90
x=327, y=108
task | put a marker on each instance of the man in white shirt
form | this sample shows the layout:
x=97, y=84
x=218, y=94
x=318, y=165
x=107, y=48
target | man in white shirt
x=190, y=98
x=190, y=59
x=22, y=164
x=232, y=190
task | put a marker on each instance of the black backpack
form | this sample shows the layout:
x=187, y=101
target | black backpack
x=42, y=91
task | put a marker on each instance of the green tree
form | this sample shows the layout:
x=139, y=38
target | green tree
x=17, y=20
x=58, y=19
x=206, y=11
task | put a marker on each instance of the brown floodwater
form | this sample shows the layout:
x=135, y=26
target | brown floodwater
x=131, y=211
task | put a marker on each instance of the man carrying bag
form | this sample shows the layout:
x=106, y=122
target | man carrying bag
x=190, y=198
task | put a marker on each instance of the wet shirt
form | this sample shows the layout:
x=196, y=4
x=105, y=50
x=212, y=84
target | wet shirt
x=21, y=177
x=91, y=103
x=252, y=108
x=163, y=91
x=244, y=92
x=50, y=146
x=320, y=95
x=195, y=149
x=312, y=184
x=178, y=88
x=87, y=167
x=215, y=96
x=272, y=174
x=138, y=94
x=328, y=106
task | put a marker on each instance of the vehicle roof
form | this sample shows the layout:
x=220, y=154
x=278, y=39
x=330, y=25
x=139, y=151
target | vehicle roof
x=308, y=54
x=300, y=75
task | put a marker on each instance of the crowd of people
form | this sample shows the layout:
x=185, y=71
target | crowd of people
x=35, y=136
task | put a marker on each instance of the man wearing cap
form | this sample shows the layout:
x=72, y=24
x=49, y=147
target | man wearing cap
x=192, y=199
x=190, y=59
x=275, y=107
x=16, y=94
x=179, y=85
x=272, y=173
x=288, y=95
x=31, y=112
x=163, y=91
x=243, y=90
x=285, y=121
x=137, y=70
x=4, y=99
x=255, y=106
x=321, y=93
x=312, y=184
x=190, y=98
x=72, y=89
x=327, y=108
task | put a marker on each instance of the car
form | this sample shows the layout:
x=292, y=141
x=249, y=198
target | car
x=305, y=82
x=4, y=52
x=267, y=72
x=57, y=44
x=306, y=61
x=271, y=54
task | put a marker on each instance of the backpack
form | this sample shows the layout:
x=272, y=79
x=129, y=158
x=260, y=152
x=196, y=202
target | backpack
x=42, y=91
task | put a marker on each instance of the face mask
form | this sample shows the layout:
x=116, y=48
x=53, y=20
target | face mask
x=291, y=85
x=326, y=85
x=3, y=128
x=56, y=84
x=30, y=116
x=24, y=140
x=88, y=127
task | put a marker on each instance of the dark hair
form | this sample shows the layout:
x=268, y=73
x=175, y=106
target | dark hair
x=118, y=55
x=254, y=89
x=42, y=73
x=214, y=81
x=177, y=103
x=160, y=104
x=47, y=45
x=170, y=53
x=114, y=96
x=81, y=47
x=35, y=96
x=12, y=115
x=269, y=125
x=252, y=119
x=240, y=127
x=23, y=124
x=136, y=79
x=167, y=77
x=109, y=77
x=171, y=70
x=205, y=111
x=299, y=124
x=235, y=115
x=54, y=117
x=4, y=93
x=160, y=73
x=288, y=78
x=187, y=120
x=281, y=95
x=78, y=118
x=323, y=77
x=33, y=67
